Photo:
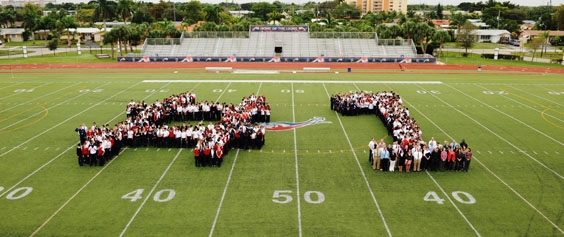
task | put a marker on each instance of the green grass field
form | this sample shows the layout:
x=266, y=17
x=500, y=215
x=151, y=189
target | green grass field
x=311, y=181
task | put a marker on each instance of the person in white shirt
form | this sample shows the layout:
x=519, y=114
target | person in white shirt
x=417, y=156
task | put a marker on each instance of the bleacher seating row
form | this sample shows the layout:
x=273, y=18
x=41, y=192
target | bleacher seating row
x=294, y=44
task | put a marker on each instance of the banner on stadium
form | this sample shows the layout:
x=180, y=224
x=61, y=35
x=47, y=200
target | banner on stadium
x=277, y=59
x=279, y=28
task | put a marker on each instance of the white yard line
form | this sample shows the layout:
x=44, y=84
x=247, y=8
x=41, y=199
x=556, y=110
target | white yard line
x=42, y=112
x=224, y=193
x=490, y=171
x=73, y=196
x=223, y=92
x=525, y=105
x=453, y=204
x=17, y=94
x=35, y=171
x=298, y=194
x=258, y=90
x=437, y=183
x=150, y=193
x=497, y=135
x=24, y=104
x=540, y=97
x=66, y=120
x=293, y=81
x=53, y=159
x=361, y=170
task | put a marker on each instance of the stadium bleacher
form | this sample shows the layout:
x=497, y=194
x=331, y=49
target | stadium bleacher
x=293, y=44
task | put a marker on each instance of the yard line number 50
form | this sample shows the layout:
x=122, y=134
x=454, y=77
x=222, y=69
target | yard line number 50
x=284, y=196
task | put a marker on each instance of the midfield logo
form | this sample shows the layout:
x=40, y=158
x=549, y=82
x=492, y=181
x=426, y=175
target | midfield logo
x=285, y=126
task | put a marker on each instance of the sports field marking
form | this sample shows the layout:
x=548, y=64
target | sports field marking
x=74, y=195
x=150, y=192
x=54, y=106
x=53, y=159
x=292, y=81
x=453, y=203
x=22, y=90
x=540, y=97
x=297, y=167
x=490, y=171
x=66, y=120
x=527, y=106
x=360, y=167
x=35, y=171
x=10, y=86
x=223, y=195
x=436, y=183
x=18, y=105
x=499, y=136
x=223, y=92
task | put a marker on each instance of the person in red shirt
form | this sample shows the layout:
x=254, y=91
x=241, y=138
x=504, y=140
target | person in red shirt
x=207, y=155
x=85, y=154
x=219, y=155
x=451, y=156
x=197, y=154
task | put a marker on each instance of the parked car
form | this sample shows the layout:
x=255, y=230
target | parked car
x=515, y=42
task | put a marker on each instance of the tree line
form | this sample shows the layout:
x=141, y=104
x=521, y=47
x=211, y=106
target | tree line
x=169, y=19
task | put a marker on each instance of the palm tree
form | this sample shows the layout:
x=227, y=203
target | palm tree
x=441, y=36
x=31, y=17
x=104, y=9
x=212, y=13
x=125, y=9
x=423, y=33
x=408, y=29
x=7, y=17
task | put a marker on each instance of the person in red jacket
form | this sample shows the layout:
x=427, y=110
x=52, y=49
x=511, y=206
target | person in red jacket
x=219, y=155
x=451, y=157
x=85, y=154
x=197, y=154
x=207, y=155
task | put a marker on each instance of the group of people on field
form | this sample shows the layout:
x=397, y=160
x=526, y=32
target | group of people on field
x=236, y=126
x=417, y=155
x=97, y=145
x=407, y=152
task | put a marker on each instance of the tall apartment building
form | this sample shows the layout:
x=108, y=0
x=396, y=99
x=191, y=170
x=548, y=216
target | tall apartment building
x=366, y=6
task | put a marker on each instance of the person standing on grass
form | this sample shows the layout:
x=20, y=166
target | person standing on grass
x=393, y=158
x=219, y=155
x=385, y=156
x=79, y=155
x=426, y=160
x=468, y=157
x=444, y=156
x=371, y=147
x=451, y=159
x=463, y=144
x=460, y=159
x=432, y=144
x=401, y=158
x=93, y=149
x=435, y=159
x=408, y=160
x=417, y=156
x=197, y=155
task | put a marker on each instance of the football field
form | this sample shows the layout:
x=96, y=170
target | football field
x=309, y=181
